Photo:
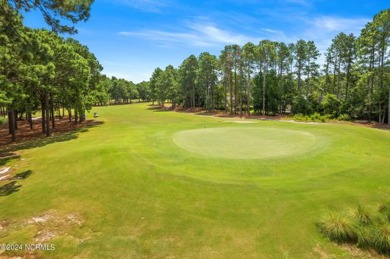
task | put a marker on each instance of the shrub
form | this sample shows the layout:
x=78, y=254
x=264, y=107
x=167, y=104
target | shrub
x=344, y=117
x=315, y=117
x=362, y=215
x=338, y=227
x=300, y=117
x=331, y=105
x=2, y=121
x=384, y=209
x=381, y=239
x=365, y=237
x=368, y=229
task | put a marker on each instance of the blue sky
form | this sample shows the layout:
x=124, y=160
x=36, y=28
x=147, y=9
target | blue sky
x=131, y=38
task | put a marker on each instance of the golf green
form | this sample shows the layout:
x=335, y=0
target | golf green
x=245, y=142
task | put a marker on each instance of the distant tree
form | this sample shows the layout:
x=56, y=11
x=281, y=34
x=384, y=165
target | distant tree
x=226, y=66
x=311, y=68
x=300, y=56
x=284, y=74
x=155, y=88
x=190, y=93
x=340, y=56
x=207, y=78
x=373, y=61
x=276, y=77
x=267, y=60
x=170, y=86
x=249, y=69
x=143, y=90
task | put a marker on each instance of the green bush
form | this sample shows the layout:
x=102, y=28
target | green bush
x=338, y=227
x=344, y=117
x=362, y=215
x=315, y=117
x=2, y=121
x=370, y=230
x=381, y=239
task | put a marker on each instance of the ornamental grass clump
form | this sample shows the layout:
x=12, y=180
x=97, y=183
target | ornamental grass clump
x=367, y=229
x=338, y=227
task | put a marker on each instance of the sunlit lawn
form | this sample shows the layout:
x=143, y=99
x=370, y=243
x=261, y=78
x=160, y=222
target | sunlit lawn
x=127, y=189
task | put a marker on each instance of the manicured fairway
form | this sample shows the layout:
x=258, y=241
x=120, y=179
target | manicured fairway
x=149, y=184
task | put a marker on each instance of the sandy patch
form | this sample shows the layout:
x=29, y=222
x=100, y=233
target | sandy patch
x=5, y=170
x=4, y=173
x=40, y=219
x=52, y=224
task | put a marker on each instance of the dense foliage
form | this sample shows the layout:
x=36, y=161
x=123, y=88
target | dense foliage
x=272, y=77
x=40, y=70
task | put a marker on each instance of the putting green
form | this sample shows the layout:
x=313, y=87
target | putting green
x=245, y=142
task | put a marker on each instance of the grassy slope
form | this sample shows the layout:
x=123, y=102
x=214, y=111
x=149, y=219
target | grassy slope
x=139, y=195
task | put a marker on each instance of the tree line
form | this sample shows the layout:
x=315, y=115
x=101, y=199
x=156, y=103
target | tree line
x=275, y=77
x=40, y=70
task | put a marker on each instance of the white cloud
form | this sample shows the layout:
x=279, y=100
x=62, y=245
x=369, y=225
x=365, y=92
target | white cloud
x=276, y=35
x=339, y=24
x=198, y=34
x=147, y=5
x=324, y=28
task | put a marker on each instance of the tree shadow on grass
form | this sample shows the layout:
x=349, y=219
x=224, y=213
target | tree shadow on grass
x=160, y=109
x=22, y=175
x=13, y=186
x=9, y=188
x=9, y=152
x=6, y=157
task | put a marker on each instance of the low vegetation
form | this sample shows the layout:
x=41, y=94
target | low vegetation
x=366, y=228
x=316, y=117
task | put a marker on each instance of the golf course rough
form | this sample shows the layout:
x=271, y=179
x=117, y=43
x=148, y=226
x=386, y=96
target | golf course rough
x=245, y=142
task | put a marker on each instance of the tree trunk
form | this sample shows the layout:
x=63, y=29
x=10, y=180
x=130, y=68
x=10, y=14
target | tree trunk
x=70, y=114
x=53, y=125
x=338, y=80
x=225, y=96
x=9, y=113
x=347, y=82
x=11, y=120
x=388, y=112
x=82, y=116
x=43, y=110
x=48, y=132
x=21, y=116
x=231, y=95
x=263, y=93
x=29, y=119
x=76, y=116
x=15, y=119
x=249, y=95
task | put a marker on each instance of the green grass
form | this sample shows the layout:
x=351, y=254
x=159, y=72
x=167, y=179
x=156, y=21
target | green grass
x=245, y=142
x=126, y=189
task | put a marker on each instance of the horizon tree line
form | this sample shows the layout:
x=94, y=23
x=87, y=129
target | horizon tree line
x=41, y=70
x=274, y=77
